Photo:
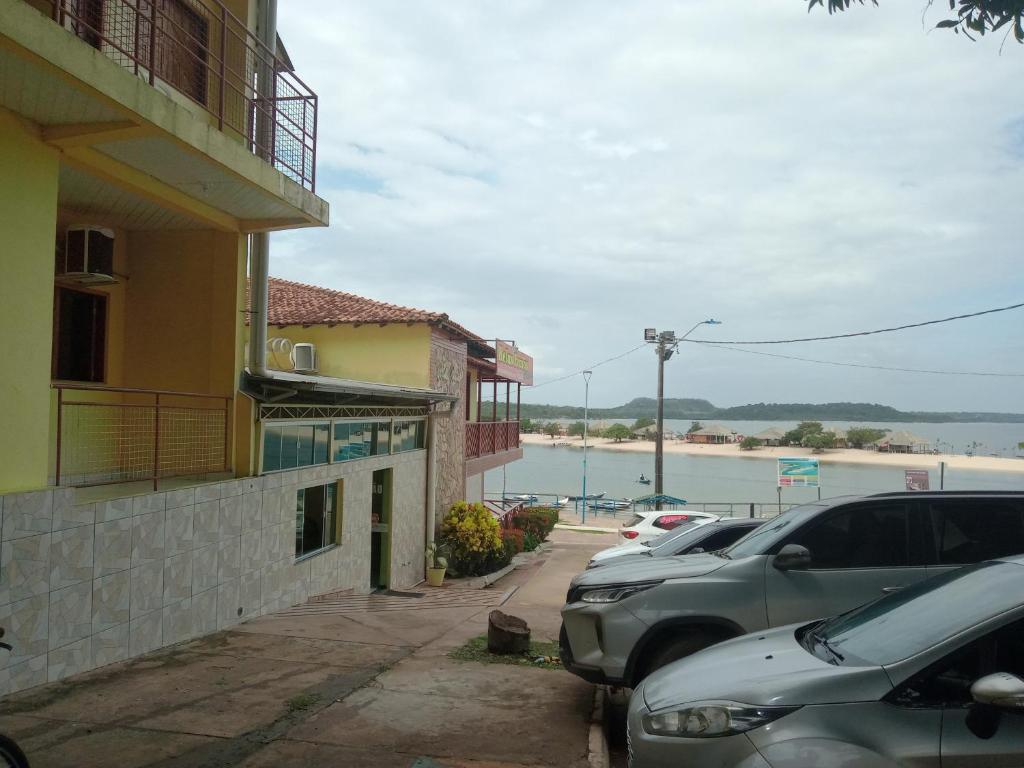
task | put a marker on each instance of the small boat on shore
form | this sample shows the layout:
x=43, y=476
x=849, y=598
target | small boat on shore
x=611, y=505
x=560, y=502
x=590, y=496
x=529, y=498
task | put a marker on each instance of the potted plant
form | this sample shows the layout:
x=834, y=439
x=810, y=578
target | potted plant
x=436, y=564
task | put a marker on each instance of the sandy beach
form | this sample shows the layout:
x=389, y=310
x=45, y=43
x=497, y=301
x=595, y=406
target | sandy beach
x=831, y=456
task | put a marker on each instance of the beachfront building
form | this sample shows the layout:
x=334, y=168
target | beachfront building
x=419, y=368
x=838, y=437
x=712, y=434
x=141, y=152
x=770, y=437
x=902, y=441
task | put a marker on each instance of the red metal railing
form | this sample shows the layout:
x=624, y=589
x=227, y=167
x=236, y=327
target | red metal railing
x=484, y=438
x=116, y=435
x=206, y=53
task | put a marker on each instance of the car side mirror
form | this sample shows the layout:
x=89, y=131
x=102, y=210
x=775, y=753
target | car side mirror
x=792, y=557
x=1001, y=690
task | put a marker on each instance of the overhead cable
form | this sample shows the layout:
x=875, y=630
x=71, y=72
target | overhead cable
x=872, y=367
x=863, y=333
x=590, y=367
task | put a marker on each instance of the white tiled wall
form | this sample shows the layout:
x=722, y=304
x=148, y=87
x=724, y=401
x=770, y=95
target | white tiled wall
x=82, y=586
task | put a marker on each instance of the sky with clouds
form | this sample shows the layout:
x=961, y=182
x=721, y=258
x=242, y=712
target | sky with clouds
x=566, y=173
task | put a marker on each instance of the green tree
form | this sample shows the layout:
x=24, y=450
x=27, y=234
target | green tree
x=858, y=437
x=801, y=432
x=576, y=429
x=552, y=429
x=1020, y=445
x=809, y=428
x=526, y=426
x=818, y=441
x=695, y=426
x=595, y=430
x=749, y=443
x=640, y=424
x=972, y=17
x=617, y=432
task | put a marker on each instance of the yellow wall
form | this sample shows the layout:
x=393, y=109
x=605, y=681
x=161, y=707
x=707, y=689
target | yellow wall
x=28, y=219
x=183, y=324
x=389, y=354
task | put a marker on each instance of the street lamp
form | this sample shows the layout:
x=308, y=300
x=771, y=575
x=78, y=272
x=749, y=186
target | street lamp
x=667, y=343
x=586, y=423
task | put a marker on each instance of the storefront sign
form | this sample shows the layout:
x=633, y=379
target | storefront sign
x=513, y=364
x=799, y=473
x=916, y=479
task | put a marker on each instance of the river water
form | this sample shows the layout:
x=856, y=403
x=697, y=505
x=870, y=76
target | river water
x=547, y=469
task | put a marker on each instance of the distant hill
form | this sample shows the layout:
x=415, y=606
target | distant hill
x=692, y=408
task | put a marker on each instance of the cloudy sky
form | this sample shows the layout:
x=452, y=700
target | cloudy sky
x=566, y=173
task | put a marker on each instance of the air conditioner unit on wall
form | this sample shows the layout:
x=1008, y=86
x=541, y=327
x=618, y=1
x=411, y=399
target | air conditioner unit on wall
x=88, y=257
x=304, y=358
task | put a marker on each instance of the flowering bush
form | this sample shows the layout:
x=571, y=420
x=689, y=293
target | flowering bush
x=513, y=539
x=536, y=521
x=472, y=538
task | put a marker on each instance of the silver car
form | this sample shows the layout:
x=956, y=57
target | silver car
x=622, y=622
x=688, y=538
x=929, y=677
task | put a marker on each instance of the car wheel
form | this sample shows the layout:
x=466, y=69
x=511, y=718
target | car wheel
x=675, y=648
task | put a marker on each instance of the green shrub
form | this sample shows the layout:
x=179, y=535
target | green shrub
x=530, y=542
x=513, y=539
x=472, y=538
x=538, y=521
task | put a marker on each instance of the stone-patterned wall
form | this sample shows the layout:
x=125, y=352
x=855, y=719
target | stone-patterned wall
x=84, y=586
x=448, y=374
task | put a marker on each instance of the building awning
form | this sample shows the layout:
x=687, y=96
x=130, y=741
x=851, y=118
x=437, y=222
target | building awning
x=283, y=387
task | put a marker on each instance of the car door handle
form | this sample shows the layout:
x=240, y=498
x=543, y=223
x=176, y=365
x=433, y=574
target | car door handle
x=889, y=590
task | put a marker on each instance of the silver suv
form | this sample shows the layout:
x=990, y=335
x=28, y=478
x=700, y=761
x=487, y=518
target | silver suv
x=620, y=623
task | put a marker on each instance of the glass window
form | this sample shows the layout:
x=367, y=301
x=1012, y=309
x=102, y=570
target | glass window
x=762, y=540
x=381, y=438
x=304, y=437
x=861, y=536
x=271, y=448
x=722, y=538
x=316, y=515
x=321, y=443
x=922, y=615
x=969, y=531
x=340, y=449
x=421, y=434
x=289, y=446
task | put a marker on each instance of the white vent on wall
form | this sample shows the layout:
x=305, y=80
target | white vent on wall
x=88, y=257
x=304, y=358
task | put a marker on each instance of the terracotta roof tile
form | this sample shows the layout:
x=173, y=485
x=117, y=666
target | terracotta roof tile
x=291, y=303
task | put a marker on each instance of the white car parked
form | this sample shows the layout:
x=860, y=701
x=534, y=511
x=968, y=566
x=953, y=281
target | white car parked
x=645, y=526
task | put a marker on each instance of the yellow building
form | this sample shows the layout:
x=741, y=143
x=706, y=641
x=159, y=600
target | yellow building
x=144, y=146
x=343, y=341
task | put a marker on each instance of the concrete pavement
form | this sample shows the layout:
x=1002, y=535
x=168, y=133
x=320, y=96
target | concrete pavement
x=345, y=682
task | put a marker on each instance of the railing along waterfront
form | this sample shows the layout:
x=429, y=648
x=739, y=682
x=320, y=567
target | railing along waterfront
x=209, y=55
x=755, y=509
x=111, y=435
x=484, y=438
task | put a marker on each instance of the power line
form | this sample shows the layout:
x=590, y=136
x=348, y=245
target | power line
x=865, y=333
x=595, y=365
x=872, y=367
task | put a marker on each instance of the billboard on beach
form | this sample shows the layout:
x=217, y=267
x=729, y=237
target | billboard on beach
x=799, y=473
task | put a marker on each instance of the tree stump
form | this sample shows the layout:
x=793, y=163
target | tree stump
x=507, y=634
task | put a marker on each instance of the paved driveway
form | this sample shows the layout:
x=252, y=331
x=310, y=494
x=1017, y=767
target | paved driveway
x=345, y=681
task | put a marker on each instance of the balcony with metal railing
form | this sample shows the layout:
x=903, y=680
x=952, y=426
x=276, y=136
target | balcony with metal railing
x=207, y=55
x=114, y=435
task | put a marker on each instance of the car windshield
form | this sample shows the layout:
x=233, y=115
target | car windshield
x=760, y=540
x=914, y=619
x=670, y=541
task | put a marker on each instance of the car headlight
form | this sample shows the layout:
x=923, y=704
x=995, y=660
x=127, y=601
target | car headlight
x=614, y=593
x=707, y=720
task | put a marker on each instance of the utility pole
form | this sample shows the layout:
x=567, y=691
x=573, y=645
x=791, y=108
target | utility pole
x=659, y=447
x=667, y=344
x=586, y=422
